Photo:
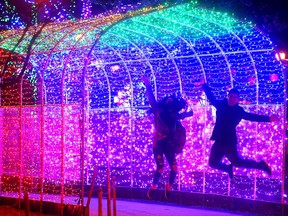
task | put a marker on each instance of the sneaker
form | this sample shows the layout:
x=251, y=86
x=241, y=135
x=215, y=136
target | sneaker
x=151, y=193
x=230, y=171
x=167, y=191
x=265, y=167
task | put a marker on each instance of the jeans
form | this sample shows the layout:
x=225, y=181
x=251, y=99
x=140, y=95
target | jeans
x=163, y=147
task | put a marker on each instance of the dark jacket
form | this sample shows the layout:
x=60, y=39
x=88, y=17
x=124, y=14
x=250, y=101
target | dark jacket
x=164, y=120
x=228, y=117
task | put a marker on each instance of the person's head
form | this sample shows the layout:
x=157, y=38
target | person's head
x=168, y=102
x=233, y=97
x=172, y=103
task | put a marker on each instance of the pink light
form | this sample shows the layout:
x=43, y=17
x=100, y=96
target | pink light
x=282, y=55
x=274, y=77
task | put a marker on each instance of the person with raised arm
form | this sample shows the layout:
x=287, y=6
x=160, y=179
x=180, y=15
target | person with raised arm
x=166, y=122
x=228, y=116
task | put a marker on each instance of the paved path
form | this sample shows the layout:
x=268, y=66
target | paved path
x=146, y=208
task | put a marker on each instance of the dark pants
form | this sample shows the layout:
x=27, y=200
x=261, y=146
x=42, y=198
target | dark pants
x=229, y=149
x=162, y=148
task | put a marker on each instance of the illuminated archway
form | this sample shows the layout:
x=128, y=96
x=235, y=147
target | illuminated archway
x=92, y=109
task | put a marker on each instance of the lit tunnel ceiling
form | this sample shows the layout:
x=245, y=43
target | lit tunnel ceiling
x=174, y=46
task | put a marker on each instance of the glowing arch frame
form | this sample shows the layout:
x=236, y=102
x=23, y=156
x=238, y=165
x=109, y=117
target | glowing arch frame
x=103, y=31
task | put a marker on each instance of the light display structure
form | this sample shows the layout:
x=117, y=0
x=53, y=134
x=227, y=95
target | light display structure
x=89, y=107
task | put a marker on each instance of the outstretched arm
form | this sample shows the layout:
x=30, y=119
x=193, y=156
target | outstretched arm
x=259, y=118
x=209, y=94
x=149, y=92
x=185, y=114
x=207, y=91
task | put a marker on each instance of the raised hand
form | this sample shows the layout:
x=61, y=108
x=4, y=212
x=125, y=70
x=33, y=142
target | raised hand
x=145, y=81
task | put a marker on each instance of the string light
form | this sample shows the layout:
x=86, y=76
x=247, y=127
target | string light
x=53, y=10
x=175, y=47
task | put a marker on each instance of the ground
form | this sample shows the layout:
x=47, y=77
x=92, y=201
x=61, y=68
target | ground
x=136, y=208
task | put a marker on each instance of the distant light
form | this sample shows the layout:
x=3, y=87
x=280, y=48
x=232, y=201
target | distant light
x=115, y=68
x=77, y=37
x=274, y=77
x=277, y=56
x=282, y=55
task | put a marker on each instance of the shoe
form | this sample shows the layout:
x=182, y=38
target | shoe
x=167, y=191
x=151, y=193
x=230, y=171
x=265, y=167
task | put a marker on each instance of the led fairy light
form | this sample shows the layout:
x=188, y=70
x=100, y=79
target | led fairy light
x=120, y=159
x=15, y=21
x=259, y=35
x=64, y=12
x=149, y=49
x=219, y=41
x=86, y=11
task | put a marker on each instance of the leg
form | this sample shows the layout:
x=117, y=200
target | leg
x=171, y=158
x=216, y=155
x=237, y=161
x=158, y=156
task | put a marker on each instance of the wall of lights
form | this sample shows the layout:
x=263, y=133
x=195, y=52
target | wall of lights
x=81, y=103
x=14, y=17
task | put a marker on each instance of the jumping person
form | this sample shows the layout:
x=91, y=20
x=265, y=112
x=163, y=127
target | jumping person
x=228, y=116
x=166, y=115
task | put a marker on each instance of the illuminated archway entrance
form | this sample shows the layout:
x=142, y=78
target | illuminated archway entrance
x=91, y=105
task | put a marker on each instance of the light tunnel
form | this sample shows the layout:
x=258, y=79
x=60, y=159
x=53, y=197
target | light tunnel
x=81, y=104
